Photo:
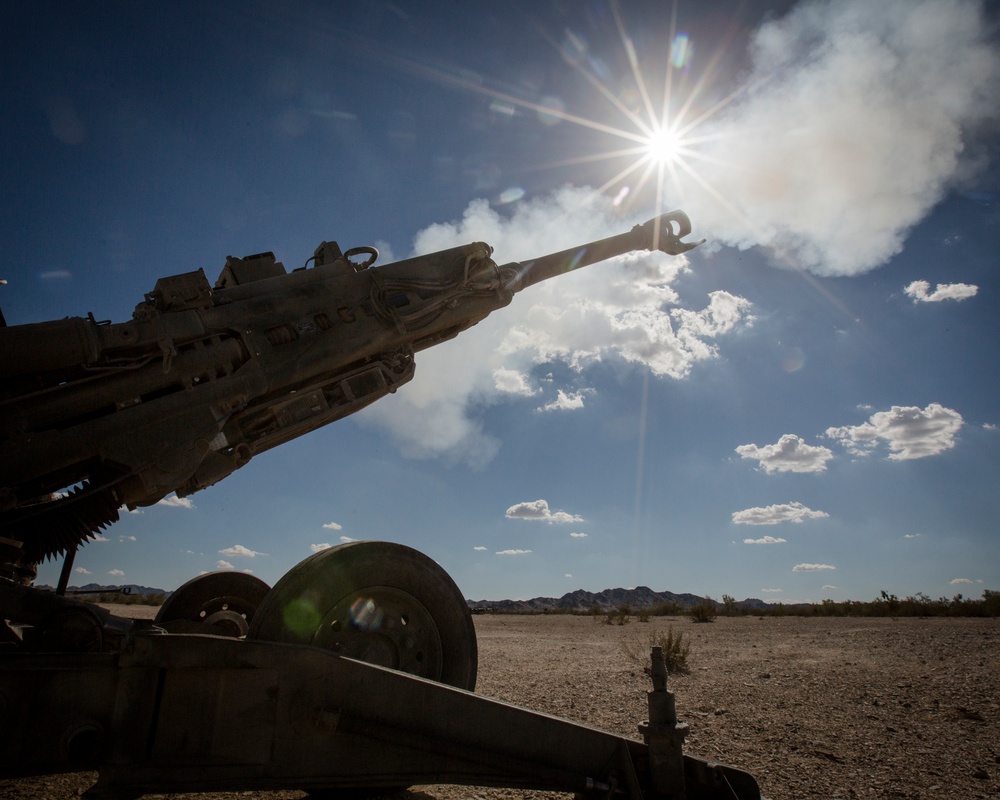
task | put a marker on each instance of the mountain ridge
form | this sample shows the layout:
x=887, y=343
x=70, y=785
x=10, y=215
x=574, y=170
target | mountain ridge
x=581, y=600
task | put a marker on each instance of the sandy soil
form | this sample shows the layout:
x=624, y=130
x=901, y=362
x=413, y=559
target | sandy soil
x=814, y=708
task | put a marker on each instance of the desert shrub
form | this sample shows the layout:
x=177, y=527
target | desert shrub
x=675, y=650
x=619, y=616
x=643, y=615
x=123, y=598
x=667, y=609
x=704, y=611
x=730, y=607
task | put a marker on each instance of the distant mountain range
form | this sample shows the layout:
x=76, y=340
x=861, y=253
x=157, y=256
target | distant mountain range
x=581, y=601
x=95, y=588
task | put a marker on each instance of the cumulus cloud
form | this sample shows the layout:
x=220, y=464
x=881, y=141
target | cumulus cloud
x=173, y=501
x=959, y=581
x=568, y=575
x=578, y=535
x=776, y=514
x=828, y=586
x=921, y=293
x=909, y=432
x=83, y=571
x=564, y=402
x=539, y=510
x=124, y=538
x=127, y=510
x=771, y=591
x=117, y=573
x=513, y=552
x=788, y=454
x=912, y=535
x=347, y=539
x=853, y=127
x=220, y=564
x=479, y=548
x=98, y=538
x=512, y=381
x=320, y=546
x=811, y=567
x=333, y=526
x=622, y=311
x=766, y=540
x=239, y=551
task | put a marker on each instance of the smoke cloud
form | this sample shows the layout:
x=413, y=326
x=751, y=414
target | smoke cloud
x=857, y=123
x=624, y=309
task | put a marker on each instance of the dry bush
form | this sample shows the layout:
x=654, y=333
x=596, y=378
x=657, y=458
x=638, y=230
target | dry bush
x=705, y=611
x=675, y=650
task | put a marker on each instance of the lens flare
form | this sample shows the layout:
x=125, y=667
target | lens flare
x=301, y=617
x=365, y=614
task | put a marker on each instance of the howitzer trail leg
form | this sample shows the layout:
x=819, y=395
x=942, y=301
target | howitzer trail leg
x=220, y=714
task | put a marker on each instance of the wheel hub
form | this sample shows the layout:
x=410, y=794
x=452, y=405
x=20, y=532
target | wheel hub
x=385, y=626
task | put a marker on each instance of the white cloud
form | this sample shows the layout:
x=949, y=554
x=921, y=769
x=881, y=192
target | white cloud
x=910, y=432
x=124, y=538
x=811, y=567
x=989, y=426
x=346, y=539
x=564, y=402
x=512, y=552
x=479, y=548
x=766, y=540
x=512, y=381
x=920, y=291
x=98, y=538
x=788, y=454
x=578, y=535
x=83, y=571
x=539, y=510
x=828, y=586
x=852, y=129
x=776, y=514
x=320, y=546
x=117, y=573
x=239, y=551
x=568, y=575
x=771, y=591
x=220, y=564
x=333, y=526
x=615, y=312
x=127, y=510
x=173, y=501
x=912, y=535
x=959, y=581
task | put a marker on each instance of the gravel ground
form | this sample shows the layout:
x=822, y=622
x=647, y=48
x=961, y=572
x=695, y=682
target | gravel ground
x=814, y=708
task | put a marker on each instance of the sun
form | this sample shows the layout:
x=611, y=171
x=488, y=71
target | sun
x=663, y=146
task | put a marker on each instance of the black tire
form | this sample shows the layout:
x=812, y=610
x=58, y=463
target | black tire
x=220, y=603
x=378, y=602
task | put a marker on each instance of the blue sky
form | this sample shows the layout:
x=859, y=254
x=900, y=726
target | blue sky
x=807, y=406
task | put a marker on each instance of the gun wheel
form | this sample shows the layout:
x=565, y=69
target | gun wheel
x=220, y=603
x=377, y=602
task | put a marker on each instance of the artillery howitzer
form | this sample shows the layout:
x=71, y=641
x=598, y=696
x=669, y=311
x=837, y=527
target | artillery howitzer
x=237, y=685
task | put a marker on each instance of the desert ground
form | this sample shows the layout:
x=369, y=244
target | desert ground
x=813, y=707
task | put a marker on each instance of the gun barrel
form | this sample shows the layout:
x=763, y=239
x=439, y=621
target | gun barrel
x=663, y=233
